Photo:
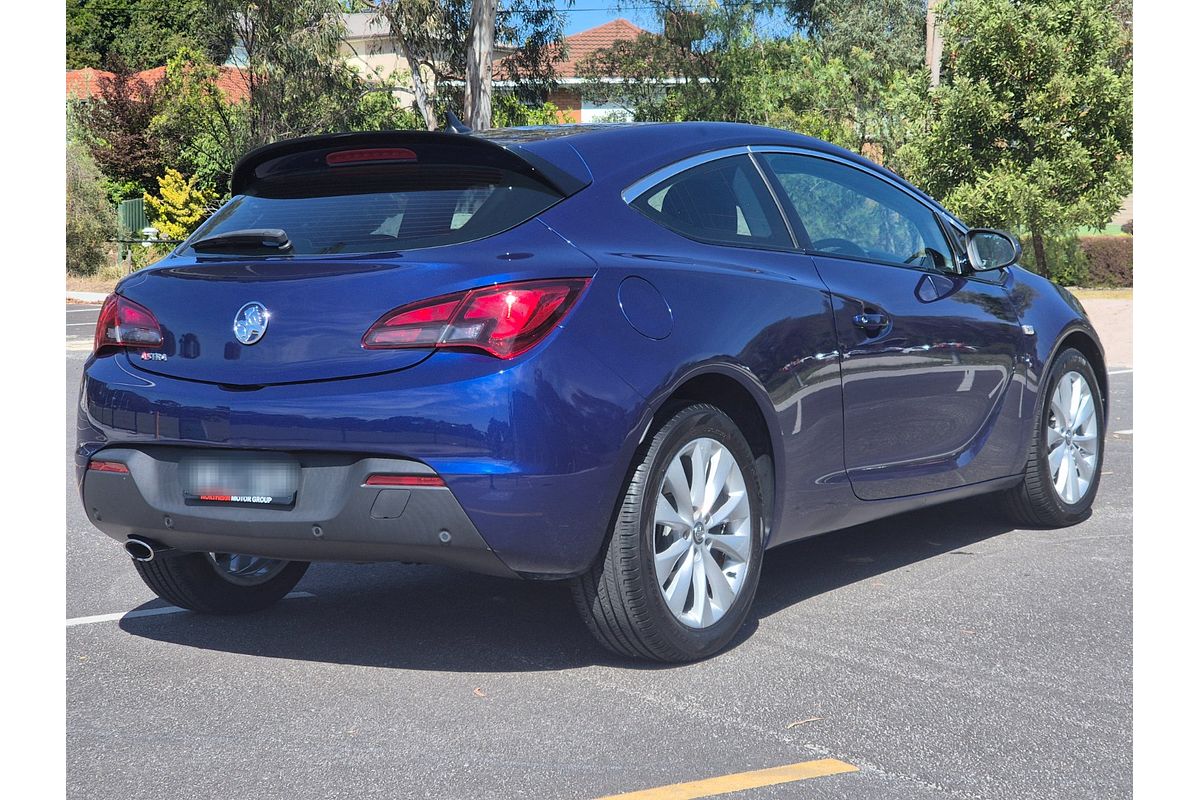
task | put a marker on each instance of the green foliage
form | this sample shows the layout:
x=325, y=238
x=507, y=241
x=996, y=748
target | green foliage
x=180, y=205
x=1032, y=126
x=298, y=81
x=852, y=78
x=91, y=219
x=139, y=33
x=509, y=112
x=202, y=131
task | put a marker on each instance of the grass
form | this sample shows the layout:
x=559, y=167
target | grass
x=1107, y=230
x=1101, y=294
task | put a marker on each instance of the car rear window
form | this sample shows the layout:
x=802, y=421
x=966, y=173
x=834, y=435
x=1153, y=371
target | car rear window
x=386, y=207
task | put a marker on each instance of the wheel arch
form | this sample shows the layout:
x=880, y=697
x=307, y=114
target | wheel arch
x=738, y=393
x=1085, y=342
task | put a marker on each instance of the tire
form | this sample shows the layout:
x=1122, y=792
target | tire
x=1037, y=502
x=621, y=598
x=194, y=581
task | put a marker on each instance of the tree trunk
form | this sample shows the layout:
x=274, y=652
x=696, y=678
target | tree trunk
x=423, y=104
x=1039, y=252
x=477, y=101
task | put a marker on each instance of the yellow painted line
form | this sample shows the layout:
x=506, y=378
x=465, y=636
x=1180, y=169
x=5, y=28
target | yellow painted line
x=740, y=781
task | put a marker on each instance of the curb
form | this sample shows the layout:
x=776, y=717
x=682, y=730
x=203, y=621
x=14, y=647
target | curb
x=86, y=297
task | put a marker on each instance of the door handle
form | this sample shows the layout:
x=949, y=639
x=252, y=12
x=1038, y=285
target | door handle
x=872, y=323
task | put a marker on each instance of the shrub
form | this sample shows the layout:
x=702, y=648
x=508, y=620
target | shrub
x=180, y=206
x=1066, y=263
x=91, y=219
x=1128, y=227
x=1109, y=259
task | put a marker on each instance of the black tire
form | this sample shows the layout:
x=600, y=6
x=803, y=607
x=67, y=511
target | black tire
x=619, y=598
x=1034, y=503
x=191, y=581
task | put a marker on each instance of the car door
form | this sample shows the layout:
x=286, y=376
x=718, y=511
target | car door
x=928, y=352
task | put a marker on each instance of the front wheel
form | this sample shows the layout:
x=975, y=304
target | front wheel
x=678, y=574
x=220, y=583
x=1062, y=471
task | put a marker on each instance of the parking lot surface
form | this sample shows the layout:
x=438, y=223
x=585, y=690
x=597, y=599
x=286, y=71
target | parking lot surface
x=941, y=654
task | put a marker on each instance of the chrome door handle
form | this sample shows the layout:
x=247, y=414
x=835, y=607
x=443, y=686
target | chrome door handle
x=871, y=322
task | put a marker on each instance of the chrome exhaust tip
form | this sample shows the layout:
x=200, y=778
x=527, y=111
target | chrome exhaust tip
x=143, y=549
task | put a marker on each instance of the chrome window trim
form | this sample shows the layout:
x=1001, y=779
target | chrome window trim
x=639, y=187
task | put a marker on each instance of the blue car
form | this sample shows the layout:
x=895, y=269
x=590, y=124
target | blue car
x=633, y=357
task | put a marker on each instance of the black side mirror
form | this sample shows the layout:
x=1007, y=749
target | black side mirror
x=989, y=249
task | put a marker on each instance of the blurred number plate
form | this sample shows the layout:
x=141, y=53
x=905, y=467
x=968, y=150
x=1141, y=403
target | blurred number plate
x=250, y=479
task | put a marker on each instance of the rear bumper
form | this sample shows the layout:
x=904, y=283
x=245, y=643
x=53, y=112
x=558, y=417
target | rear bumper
x=335, y=516
x=533, y=451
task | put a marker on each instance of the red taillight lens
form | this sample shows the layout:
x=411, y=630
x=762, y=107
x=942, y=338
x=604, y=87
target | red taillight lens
x=108, y=466
x=404, y=480
x=503, y=321
x=124, y=323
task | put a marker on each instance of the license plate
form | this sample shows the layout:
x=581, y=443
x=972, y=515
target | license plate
x=250, y=479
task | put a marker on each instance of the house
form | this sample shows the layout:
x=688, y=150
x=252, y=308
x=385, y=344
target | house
x=570, y=94
x=84, y=84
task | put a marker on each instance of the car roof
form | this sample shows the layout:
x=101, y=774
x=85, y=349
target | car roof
x=623, y=152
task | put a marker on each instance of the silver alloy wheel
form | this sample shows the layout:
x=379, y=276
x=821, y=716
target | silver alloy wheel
x=1071, y=444
x=246, y=570
x=702, y=533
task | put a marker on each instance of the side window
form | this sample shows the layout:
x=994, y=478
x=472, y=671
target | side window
x=723, y=201
x=847, y=212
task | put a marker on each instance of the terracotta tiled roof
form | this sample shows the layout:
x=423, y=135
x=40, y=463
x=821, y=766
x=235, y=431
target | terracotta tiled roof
x=581, y=45
x=584, y=43
x=85, y=83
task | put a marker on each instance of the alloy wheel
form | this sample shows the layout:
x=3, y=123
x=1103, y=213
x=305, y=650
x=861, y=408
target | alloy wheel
x=245, y=570
x=703, y=533
x=1071, y=443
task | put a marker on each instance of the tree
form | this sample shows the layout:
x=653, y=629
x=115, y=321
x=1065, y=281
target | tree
x=449, y=44
x=297, y=81
x=139, y=33
x=1032, y=126
x=118, y=128
x=91, y=220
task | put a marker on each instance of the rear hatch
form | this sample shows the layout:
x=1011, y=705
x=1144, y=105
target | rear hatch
x=371, y=222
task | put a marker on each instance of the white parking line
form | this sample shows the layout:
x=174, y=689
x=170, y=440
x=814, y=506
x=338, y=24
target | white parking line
x=1119, y=371
x=1124, y=433
x=152, y=612
x=82, y=310
x=81, y=324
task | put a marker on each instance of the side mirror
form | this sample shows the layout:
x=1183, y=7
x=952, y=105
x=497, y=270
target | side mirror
x=989, y=249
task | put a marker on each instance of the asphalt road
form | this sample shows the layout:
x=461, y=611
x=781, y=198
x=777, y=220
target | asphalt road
x=942, y=653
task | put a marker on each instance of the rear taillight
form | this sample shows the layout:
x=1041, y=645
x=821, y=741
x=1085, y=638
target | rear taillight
x=108, y=466
x=124, y=323
x=503, y=320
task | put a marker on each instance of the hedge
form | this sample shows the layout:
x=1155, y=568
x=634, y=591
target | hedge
x=1109, y=260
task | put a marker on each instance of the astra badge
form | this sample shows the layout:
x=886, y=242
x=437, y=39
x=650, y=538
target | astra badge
x=250, y=324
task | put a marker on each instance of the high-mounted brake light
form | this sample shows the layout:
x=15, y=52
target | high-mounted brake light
x=371, y=154
x=404, y=480
x=124, y=323
x=503, y=320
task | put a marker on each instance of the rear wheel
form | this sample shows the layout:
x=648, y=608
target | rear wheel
x=1065, y=457
x=220, y=583
x=678, y=574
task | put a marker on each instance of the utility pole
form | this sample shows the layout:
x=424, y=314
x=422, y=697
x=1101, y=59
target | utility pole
x=933, y=44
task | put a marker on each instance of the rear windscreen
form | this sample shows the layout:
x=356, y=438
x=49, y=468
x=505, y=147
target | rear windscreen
x=384, y=207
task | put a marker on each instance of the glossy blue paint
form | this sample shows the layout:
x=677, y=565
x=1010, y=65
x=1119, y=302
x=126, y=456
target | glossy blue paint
x=537, y=449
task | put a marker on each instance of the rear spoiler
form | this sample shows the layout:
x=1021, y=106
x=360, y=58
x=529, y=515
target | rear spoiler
x=567, y=174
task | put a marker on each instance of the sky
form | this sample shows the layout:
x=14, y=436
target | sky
x=590, y=13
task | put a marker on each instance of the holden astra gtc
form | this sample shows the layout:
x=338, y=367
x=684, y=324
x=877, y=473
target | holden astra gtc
x=633, y=357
